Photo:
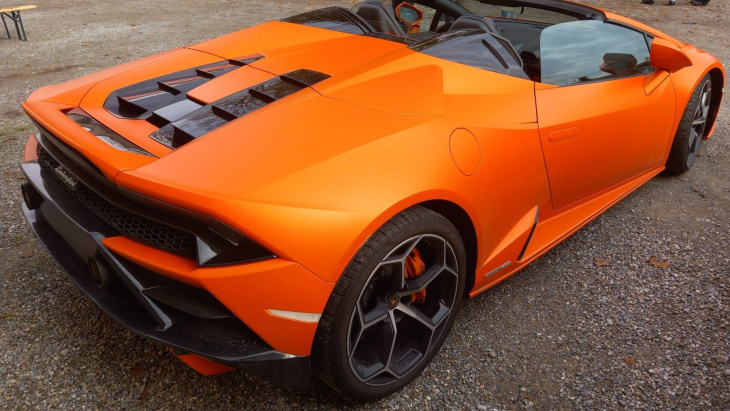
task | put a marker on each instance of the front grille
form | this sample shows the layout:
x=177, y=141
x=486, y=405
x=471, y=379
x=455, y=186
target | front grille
x=129, y=224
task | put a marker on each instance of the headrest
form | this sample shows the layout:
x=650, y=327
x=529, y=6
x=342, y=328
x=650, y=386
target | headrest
x=381, y=17
x=474, y=22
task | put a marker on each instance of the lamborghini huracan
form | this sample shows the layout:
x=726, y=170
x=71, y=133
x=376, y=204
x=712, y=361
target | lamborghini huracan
x=315, y=196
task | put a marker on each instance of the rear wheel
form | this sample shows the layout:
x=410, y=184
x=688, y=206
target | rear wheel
x=393, y=307
x=691, y=129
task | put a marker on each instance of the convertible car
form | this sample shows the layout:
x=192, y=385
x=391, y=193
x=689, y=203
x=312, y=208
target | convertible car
x=315, y=196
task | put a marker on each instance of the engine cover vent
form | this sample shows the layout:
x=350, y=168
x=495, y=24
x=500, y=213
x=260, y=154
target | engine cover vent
x=177, y=130
x=161, y=99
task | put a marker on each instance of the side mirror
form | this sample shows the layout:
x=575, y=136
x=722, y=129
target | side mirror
x=665, y=55
x=410, y=15
x=618, y=64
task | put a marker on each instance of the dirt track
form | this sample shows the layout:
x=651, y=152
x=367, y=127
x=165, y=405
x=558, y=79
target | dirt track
x=564, y=333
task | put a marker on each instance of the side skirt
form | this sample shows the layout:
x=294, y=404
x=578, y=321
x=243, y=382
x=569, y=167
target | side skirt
x=553, y=229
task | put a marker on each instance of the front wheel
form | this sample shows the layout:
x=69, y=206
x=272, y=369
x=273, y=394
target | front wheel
x=691, y=129
x=393, y=307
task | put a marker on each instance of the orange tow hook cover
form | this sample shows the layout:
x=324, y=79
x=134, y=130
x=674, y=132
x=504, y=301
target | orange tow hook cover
x=202, y=364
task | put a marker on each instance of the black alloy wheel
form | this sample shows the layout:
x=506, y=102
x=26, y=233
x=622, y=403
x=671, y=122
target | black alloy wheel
x=393, y=307
x=390, y=332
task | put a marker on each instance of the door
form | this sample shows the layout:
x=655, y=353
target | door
x=598, y=124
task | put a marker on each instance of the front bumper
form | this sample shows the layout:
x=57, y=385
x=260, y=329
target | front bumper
x=204, y=320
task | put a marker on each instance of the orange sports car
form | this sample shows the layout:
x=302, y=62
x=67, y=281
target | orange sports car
x=317, y=195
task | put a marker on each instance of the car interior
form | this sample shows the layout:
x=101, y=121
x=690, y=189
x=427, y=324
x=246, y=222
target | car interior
x=517, y=25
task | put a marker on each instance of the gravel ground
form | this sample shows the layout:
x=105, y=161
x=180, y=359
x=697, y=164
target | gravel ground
x=567, y=332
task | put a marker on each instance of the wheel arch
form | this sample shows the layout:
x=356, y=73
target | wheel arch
x=464, y=225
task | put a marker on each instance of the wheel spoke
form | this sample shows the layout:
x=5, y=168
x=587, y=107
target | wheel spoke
x=390, y=343
x=414, y=339
x=401, y=252
x=422, y=337
x=387, y=348
x=374, y=316
x=414, y=285
x=417, y=315
x=397, y=258
x=352, y=344
x=706, y=100
x=705, y=110
x=692, y=140
x=387, y=277
x=450, y=259
x=431, y=322
x=698, y=112
x=368, y=372
x=442, y=249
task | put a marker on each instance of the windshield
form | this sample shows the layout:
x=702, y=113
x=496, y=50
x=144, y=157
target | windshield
x=486, y=8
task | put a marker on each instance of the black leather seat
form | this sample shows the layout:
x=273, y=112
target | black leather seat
x=381, y=17
x=474, y=22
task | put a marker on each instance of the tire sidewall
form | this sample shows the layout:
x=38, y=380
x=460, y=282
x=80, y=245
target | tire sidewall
x=698, y=94
x=678, y=161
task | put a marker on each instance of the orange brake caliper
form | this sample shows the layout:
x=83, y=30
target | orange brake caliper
x=415, y=267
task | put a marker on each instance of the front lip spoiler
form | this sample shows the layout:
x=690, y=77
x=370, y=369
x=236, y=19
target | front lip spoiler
x=72, y=237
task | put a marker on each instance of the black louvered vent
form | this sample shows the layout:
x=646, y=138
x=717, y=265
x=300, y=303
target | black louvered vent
x=177, y=130
x=163, y=99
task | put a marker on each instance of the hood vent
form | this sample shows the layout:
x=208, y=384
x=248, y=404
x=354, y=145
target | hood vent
x=163, y=99
x=186, y=120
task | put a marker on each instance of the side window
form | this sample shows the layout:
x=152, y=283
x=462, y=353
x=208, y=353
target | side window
x=590, y=50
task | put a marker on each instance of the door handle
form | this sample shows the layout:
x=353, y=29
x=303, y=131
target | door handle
x=561, y=135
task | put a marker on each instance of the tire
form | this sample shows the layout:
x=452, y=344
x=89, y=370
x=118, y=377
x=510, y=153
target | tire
x=691, y=129
x=375, y=335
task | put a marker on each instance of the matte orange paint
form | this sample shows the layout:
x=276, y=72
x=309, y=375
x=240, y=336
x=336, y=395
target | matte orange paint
x=312, y=176
x=465, y=151
x=620, y=134
x=668, y=56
